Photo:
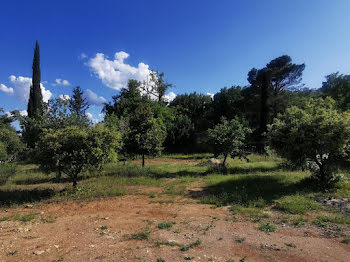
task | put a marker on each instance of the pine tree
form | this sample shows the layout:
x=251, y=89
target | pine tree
x=35, y=103
x=78, y=106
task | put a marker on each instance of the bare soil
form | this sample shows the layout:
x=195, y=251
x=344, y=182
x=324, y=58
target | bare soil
x=102, y=230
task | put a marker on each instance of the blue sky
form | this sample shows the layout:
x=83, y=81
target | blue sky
x=200, y=45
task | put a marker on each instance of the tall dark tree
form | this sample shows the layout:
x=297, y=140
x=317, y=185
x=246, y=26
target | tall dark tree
x=284, y=75
x=35, y=103
x=78, y=106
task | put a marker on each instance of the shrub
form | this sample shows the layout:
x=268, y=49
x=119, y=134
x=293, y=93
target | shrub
x=316, y=135
x=73, y=150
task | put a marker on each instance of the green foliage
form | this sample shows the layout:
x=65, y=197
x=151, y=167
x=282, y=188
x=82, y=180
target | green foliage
x=296, y=204
x=267, y=227
x=73, y=150
x=229, y=138
x=145, y=136
x=338, y=87
x=315, y=134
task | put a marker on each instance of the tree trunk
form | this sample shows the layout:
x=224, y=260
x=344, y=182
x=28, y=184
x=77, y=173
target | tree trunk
x=74, y=182
x=143, y=161
x=224, y=162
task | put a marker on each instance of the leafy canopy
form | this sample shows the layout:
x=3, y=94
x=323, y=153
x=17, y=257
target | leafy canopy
x=229, y=138
x=73, y=150
x=316, y=133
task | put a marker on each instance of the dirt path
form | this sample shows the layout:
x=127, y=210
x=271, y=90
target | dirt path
x=102, y=230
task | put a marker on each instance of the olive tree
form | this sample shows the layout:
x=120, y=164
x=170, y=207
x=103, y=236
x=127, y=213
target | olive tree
x=229, y=138
x=316, y=135
x=73, y=150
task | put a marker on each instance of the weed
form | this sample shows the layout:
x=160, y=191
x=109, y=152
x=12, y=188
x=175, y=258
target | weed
x=346, y=240
x=299, y=221
x=140, y=236
x=291, y=245
x=49, y=219
x=171, y=244
x=104, y=227
x=267, y=227
x=166, y=225
x=188, y=258
x=242, y=259
x=230, y=260
x=12, y=253
x=240, y=239
x=160, y=260
x=177, y=231
x=192, y=245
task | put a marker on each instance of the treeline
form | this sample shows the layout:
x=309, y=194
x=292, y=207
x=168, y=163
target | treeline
x=309, y=127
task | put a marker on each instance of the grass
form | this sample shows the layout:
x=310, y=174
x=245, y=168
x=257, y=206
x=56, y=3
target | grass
x=4, y=219
x=166, y=225
x=323, y=221
x=25, y=218
x=296, y=204
x=255, y=214
x=250, y=188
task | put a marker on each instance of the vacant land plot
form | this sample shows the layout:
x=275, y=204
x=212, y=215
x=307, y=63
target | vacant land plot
x=178, y=208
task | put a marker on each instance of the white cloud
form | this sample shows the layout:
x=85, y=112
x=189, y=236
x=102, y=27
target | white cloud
x=64, y=97
x=91, y=117
x=211, y=95
x=23, y=112
x=21, y=88
x=94, y=99
x=7, y=90
x=102, y=115
x=61, y=82
x=115, y=73
x=83, y=56
x=170, y=97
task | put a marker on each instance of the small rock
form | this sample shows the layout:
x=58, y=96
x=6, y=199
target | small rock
x=28, y=206
x=56, y=246
x=38, y=252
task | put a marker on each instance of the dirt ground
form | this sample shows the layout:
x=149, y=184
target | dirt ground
x=102, y=230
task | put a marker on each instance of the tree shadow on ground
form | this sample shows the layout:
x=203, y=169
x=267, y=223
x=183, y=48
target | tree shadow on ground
x=53, y=180
x=249, y=189
x=21, y=196
x=241, y=170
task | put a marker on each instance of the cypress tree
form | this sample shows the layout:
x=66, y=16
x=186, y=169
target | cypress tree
x=35, y=103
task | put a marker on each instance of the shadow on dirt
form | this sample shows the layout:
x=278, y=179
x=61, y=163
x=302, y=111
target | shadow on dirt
x=21, y=196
